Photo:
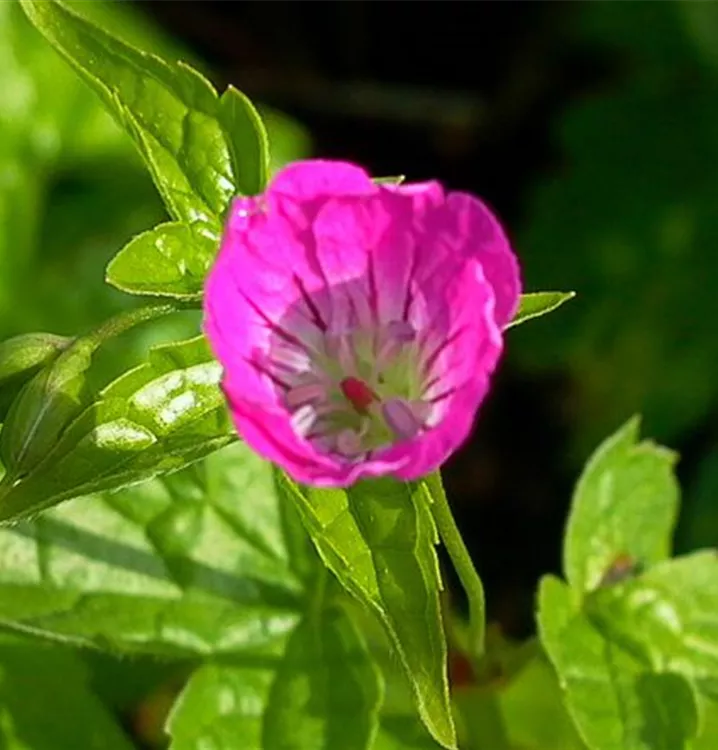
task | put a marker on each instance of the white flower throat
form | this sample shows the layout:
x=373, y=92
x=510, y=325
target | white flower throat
x=355, y=392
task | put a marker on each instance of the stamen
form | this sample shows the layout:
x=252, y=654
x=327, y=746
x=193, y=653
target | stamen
x=394, y=338
x=304, y=394
x=400, y=418
x=303, y=419
x=349, y=443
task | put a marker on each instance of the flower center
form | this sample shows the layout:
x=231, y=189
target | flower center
x=354, y=392
x=358, y=394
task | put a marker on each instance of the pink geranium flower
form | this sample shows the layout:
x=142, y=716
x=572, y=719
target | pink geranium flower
x=358, y=324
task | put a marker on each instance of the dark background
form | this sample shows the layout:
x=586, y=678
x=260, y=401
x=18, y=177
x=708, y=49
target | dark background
x=592, y=129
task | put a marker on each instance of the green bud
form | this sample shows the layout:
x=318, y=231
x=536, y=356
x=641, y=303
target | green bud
x=44, y=407
x=21, y=358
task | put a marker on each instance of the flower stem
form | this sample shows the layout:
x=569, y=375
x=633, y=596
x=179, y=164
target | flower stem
x=464, y=567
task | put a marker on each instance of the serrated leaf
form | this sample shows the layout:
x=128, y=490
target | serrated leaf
x=192, y=564
x=46, y=702
x=668, y=617
x=536, y=304
x=378, y=538
x=320, y=691
x=617, y=702
x=154, y=419
x=624, y=508
x=169, y=109
x=170, y=260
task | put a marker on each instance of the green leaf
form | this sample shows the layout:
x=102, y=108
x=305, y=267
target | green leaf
x=481, y=718
x=378, y=538
x=46, y=703
x=617, y=702
x=196, y=563
x=667, y=617
x=403, y=733
x=396, y=180
x=534, y=712
x=44, y=407
x=708, y=736
x=154, y=419
x=321, y=691
x=536, y=304
x=21, y=357
x=221, y=703
x=169, y=109
x=170, y=260
x=247, y=141
x=623, y=510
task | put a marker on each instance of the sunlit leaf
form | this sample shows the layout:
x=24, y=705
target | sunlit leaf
x=623, y=511
x=379, y=540
x=170, y=260
x=536, y=304
x=617, y=701
x=169, y=109
x=321, y=690
x=154, y=419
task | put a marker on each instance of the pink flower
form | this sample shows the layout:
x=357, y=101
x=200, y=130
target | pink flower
x=358, y=324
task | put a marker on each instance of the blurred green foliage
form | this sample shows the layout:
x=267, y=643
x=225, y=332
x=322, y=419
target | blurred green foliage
x=73, y=190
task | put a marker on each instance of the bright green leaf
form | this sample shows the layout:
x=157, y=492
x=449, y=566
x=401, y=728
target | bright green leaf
x=536, y=304
x=326, y=692
x=154, y=419
x=192, y=564
x=668, y=617
x=321, y=691
x=169, y=109
x=46, y=702
x=247, y=141
x=220, y=704
x=616, y=701
x=624, y=509
x=379, y=540
x=708, y=737
x=170, y=260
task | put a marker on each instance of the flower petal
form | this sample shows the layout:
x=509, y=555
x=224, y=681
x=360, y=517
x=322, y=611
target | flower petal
x=314, y=178
x=365, y=248
x=466, y=225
